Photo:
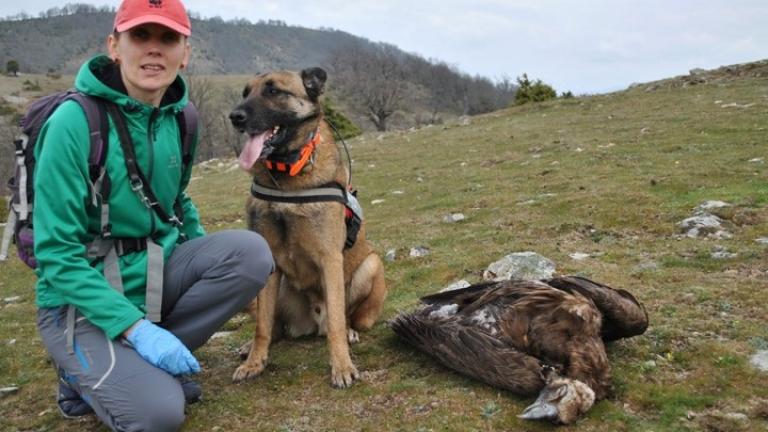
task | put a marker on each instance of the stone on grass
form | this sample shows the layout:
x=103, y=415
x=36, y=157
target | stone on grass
x=11, y=300
x=762, y=240
x=391, y=255
x=579, y=256
x=419, y=252
x=720, y=253
x=647, y=266
x=7, y=391
x=701, y=225
x=704, y=207
x=456, y=285
x=760, y=360
x=520, y=265
x=455, y=217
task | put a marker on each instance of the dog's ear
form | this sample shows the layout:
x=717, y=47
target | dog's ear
x=246, y=91
x=314, y=82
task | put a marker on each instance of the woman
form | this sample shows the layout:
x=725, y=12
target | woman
x=131, y=372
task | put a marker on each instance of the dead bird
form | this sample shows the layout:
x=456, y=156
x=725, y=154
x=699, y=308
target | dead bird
x=529, y=337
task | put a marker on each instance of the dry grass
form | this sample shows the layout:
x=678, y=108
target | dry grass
x=608, y=175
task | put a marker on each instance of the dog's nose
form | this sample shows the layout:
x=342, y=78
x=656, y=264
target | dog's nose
x=237, y=117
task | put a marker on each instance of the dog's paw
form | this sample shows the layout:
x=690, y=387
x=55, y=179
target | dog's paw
x=343, y=377
x=248, y=370
x=245, y=350
x=353, y=336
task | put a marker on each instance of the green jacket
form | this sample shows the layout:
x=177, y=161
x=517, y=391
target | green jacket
x=65, y=219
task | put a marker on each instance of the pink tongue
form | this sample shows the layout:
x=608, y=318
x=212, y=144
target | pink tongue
x=252, y=151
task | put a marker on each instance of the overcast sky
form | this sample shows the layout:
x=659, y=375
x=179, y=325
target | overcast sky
x=586, y=46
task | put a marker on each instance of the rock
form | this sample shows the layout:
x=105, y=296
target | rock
x=456, y=285
x=760, y=360
x=701, y=225
x=419, y=252
x=397, y=192
x=377, y=201
x=647, y=266
x=7, y=391
x=520, y=265
x=697, y=71
x=736, y=105
x=762, y=240
x=455, y=217
x=391, y=255
x=720, y=252
x=757, y=160
x=11, y=300
x=579, y=256
x=221, y=334
x=702, y=209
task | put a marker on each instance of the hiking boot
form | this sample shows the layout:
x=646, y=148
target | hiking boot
x=192, y=391
x=70, y=404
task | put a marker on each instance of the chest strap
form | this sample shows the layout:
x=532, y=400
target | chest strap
x=329, y=192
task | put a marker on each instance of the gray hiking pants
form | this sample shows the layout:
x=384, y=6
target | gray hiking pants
x=206, y=281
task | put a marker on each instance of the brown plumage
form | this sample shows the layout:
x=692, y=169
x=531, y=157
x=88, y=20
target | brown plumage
x=529, y=337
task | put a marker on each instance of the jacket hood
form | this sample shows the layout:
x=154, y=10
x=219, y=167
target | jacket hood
x=100, y=76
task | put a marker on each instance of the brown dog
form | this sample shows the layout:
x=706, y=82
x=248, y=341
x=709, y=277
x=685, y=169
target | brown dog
x=299, y=190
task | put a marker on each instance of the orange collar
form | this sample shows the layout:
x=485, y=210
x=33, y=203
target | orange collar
x=295, y=161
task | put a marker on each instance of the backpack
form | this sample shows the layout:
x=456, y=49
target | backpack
x=19, y=223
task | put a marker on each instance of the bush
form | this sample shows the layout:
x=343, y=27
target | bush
x=535, y=91
x=345, y=127
x=3, y=212
x=6, y=109
x=31, y=86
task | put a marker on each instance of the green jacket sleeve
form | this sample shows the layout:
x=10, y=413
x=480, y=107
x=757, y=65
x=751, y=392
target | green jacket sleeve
x=60, y=219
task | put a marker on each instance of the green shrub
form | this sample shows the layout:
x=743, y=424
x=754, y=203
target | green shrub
x=6, y=108
x=31, y=86
x=535, y=91
x=345, y=127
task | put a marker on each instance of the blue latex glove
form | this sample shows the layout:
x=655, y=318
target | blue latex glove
x=161, y=348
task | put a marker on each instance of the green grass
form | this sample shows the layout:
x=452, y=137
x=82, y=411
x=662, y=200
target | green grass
x=609, y=175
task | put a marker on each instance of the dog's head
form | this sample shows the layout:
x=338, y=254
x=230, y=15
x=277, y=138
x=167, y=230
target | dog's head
x=274, y=106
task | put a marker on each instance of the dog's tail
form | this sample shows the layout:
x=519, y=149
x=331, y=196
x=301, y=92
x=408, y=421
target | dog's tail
x=366, y=314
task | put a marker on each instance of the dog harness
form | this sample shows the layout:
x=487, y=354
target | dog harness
x=330, y=192
x=293, y=162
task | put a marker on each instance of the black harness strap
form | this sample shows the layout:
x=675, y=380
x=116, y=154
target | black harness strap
x=138, y=181
x=328, y=192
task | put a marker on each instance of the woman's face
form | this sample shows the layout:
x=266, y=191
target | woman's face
x=150, y=57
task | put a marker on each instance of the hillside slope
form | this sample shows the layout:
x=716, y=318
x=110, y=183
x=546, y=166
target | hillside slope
x=607, y=176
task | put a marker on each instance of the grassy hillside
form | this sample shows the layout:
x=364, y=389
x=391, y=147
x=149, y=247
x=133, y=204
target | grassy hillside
x=609, y=176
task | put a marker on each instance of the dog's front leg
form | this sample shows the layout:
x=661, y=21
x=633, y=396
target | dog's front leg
x=266, y=303
x=343, y=371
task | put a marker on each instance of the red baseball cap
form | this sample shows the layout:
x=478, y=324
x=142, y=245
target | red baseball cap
x=169, y=13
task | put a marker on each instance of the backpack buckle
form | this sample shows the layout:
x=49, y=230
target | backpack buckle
x=176, y=221
x=136, y=184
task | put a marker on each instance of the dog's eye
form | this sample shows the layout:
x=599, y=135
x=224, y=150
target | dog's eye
x=271, y=90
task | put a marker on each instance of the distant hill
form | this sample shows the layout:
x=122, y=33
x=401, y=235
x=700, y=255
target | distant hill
x=60, y=39
x=62, y=42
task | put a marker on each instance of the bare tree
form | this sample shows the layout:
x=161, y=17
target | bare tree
x=201, y=94
x=374, y=79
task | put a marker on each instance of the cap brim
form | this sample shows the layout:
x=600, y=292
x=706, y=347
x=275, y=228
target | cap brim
x=154, y=19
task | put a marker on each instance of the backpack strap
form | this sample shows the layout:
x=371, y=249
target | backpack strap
x=188, y=120
x=138, y=181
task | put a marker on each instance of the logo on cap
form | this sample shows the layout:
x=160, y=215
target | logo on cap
x=156, y=3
